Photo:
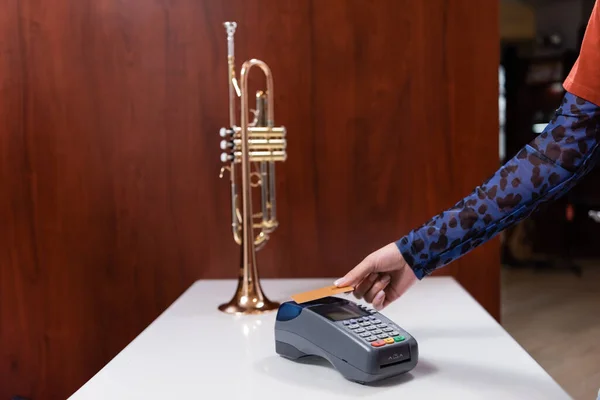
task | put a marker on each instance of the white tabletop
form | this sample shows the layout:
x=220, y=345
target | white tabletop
x=193, y=351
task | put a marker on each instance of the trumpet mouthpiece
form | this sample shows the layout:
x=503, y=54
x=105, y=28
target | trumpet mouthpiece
x=230, y=27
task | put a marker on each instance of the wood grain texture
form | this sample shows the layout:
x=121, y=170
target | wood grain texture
x=111, y=202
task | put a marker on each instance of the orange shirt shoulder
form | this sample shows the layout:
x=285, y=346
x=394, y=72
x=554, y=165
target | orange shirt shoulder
x=584, y=78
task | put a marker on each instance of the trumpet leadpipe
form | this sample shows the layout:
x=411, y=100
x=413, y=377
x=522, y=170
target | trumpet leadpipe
x=255, y=156
x=234, y=89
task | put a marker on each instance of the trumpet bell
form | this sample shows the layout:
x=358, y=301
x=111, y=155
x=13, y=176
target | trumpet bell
x=250, y=301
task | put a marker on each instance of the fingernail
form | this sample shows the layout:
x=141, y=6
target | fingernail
x=339, y=282
x=379, y=296
x=385, y=279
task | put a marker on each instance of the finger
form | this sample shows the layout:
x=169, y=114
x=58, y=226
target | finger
x=379, y=300
x=395, y=289
x=377, y=287
x=356, y=274
x=389, y=297
x=364, y=286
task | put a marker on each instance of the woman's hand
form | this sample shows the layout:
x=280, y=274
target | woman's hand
x=381, y=278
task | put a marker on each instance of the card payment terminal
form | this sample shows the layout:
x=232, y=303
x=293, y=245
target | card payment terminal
x=362, y=344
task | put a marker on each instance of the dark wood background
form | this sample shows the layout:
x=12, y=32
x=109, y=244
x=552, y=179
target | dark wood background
x=111, y=203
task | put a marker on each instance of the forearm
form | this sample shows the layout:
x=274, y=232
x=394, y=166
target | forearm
x=541, y=172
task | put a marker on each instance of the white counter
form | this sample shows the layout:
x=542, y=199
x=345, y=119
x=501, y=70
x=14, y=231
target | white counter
x=193, y=351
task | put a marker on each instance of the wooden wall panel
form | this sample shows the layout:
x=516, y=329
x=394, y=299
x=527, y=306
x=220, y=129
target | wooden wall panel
x=471, y=130
x=111, y=203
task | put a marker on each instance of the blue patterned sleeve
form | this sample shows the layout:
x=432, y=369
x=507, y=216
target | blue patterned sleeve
x=542, y=171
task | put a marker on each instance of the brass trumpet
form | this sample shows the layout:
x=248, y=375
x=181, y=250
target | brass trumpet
x=261, y=143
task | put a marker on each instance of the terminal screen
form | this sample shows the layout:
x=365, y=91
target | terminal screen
x=341, y=312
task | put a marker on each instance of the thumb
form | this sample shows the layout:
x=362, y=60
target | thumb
x=356, y=274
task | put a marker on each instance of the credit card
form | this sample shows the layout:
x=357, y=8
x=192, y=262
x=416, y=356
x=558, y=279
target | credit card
x=320, y=293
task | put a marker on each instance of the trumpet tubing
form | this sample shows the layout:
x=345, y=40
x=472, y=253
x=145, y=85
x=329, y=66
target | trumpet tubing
x=267, y=144
x=255, y=156
x=255, y=132
x=257, y=144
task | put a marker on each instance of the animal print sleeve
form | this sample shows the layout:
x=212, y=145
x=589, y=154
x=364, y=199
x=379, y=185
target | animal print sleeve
x=541, y=172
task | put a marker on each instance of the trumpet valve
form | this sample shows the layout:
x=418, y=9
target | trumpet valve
x=226, y=144
x=265, y=144
x=224, y=132
x=225, y=157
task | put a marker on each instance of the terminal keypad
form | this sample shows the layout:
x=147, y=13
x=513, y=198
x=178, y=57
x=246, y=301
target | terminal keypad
x=373, y=330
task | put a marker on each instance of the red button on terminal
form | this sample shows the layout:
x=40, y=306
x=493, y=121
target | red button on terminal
x=378, y=343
